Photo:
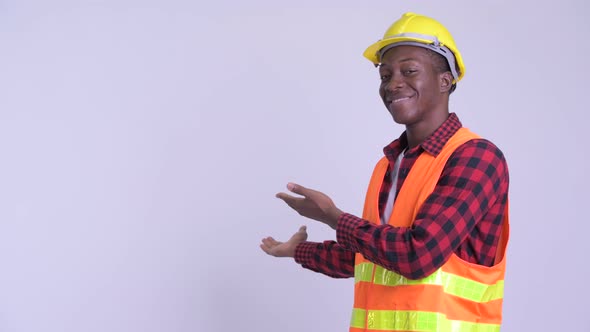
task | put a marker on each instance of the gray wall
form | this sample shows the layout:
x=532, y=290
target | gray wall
x=142, y=143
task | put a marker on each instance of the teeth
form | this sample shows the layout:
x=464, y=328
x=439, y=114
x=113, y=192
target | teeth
x=401, y=99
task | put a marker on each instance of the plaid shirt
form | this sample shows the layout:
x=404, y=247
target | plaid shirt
x=462, y=215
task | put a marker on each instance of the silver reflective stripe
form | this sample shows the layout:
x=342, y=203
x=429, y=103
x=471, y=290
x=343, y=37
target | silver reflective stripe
x=435, y=47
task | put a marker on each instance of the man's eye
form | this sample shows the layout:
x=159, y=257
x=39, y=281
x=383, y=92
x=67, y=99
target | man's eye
x=409, y=71
x=384, y=77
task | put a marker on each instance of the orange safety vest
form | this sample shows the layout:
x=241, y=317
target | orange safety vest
x=459, y=296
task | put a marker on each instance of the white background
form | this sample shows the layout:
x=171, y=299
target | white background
x=142, y=143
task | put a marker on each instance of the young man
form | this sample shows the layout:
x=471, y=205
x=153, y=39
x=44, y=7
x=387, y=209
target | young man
x=428, y=252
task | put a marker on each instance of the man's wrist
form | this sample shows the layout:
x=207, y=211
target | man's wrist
x=334, y=216
x=302, y=252
x=347, y=225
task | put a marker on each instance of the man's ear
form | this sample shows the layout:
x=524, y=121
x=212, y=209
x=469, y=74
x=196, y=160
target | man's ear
x=446, y=81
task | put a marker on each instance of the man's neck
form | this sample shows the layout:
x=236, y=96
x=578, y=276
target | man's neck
x=416, y=134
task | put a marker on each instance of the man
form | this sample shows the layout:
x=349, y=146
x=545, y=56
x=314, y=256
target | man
x=428, y=252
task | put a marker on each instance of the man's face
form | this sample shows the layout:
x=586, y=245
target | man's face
x=410, y=85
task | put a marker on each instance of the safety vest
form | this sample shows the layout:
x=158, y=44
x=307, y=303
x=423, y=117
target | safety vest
x=459, y=296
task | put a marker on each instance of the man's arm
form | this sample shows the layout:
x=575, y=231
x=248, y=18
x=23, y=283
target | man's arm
x=474, y=179
x=328, y=257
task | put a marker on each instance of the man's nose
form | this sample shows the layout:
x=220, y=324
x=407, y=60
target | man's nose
x=395, y=83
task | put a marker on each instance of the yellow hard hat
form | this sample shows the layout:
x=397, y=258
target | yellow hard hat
x=423, y=31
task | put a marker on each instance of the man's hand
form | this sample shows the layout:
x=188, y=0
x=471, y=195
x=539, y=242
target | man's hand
x=313, y=204
x=284, y=249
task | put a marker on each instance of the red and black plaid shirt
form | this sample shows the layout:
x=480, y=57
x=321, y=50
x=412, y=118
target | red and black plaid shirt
x=462, y=215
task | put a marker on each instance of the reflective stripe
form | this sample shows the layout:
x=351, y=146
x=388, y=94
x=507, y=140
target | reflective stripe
x=394, y=320
x=451, y=283
x=363, y=272
x=358, y=318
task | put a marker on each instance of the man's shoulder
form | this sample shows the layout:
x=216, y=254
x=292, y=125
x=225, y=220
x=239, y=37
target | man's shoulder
x=476, y=151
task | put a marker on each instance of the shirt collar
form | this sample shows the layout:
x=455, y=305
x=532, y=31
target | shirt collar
x=433, y=144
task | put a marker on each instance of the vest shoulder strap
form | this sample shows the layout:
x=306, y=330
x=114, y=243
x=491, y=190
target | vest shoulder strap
x=422, y=179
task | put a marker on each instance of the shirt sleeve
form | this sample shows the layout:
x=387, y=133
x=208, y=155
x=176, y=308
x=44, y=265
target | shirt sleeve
x=474, y=178
x=328, y=257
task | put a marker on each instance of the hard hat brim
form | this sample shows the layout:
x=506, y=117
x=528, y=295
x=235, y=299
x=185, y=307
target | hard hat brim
x=372, y=52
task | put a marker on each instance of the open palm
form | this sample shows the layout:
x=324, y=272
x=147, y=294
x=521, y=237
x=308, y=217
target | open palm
x=284, y=249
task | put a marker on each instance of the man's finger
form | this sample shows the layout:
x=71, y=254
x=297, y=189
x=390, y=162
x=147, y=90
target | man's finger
x=299, y=189
x=273, y=242
x=270, y=242
x=303, y=191
x=266, y=249
x=290, y=200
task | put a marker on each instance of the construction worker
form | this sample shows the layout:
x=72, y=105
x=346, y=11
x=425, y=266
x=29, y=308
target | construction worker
x=428, y=253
